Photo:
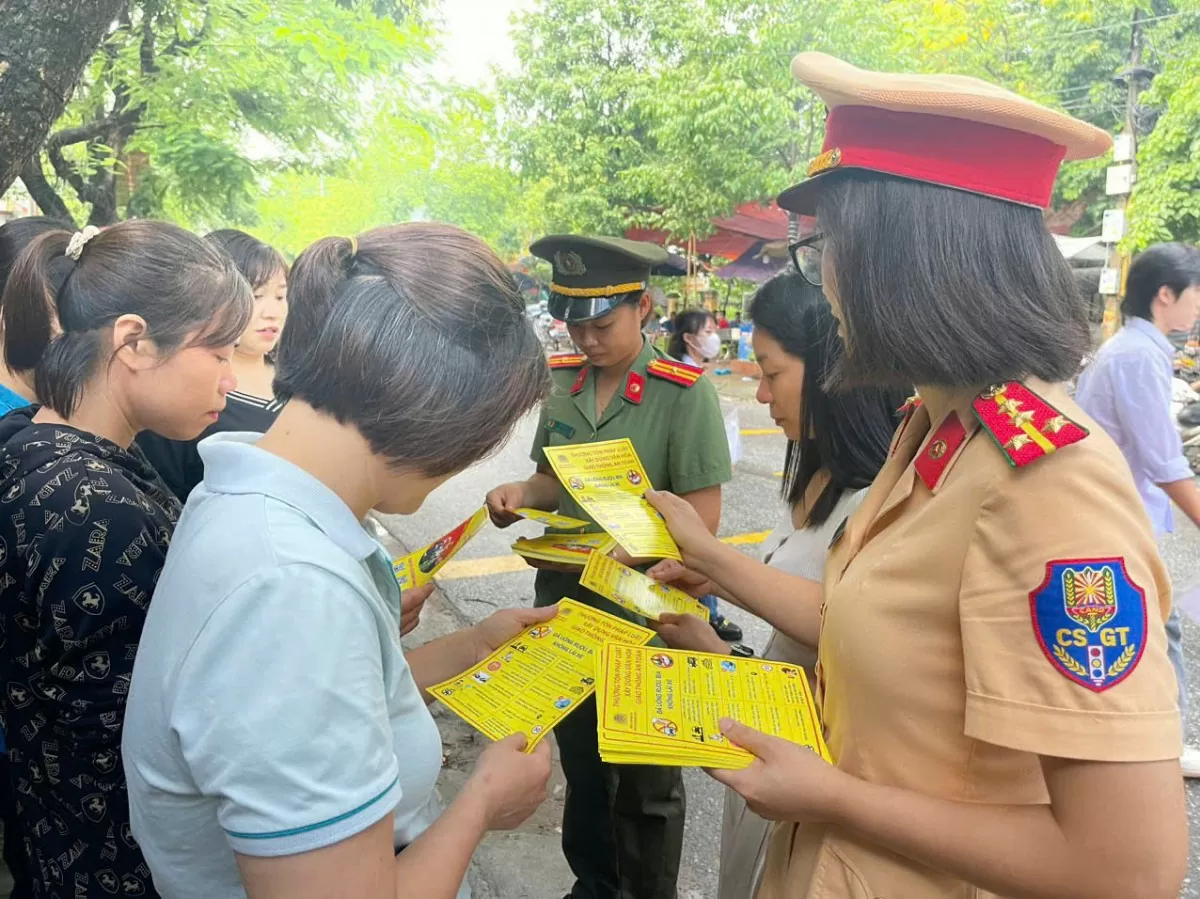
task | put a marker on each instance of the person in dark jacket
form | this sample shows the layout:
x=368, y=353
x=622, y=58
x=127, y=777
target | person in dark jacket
x=138, y=336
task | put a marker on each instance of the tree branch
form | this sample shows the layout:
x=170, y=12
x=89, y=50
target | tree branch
x=68, y=172
x=43, y=193
x=92, y=130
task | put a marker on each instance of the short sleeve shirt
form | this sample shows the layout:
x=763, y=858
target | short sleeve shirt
x=272, y=711
x=972, y=626
x=677, y=431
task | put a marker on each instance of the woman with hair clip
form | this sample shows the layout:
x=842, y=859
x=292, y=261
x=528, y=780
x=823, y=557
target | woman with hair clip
x=137, y=336
x=252, y=407
x=278, y=742
x=992, y=668
x=837, y=442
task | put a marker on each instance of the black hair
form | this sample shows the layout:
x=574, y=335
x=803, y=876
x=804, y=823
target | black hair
x=689, y=321
x=257, y=261
x=848, y=432
x=947, y=288
x=187, y=291
x=1172, y=265
x=416, y=335
x=16, y=235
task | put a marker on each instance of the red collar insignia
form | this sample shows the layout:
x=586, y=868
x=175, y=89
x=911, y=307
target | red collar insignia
x=635, y=386
x=581, y=379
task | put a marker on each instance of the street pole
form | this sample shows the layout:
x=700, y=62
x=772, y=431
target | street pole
x=1112, y=310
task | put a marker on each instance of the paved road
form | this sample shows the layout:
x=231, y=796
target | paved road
x=484, y=577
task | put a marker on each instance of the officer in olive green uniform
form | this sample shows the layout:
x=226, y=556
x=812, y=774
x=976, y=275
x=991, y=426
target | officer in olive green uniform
x=623, y=824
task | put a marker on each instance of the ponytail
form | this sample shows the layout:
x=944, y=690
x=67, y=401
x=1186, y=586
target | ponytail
x=28, y=306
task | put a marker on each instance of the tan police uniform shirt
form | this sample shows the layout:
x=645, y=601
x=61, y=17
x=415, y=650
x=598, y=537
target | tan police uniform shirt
x=947, y=663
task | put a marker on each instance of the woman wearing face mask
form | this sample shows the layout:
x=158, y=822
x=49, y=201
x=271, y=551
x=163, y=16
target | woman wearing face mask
x=694, y=337
x=137, y=336
x=278, y=741
x=252, y=407
x=836, y=444
x=694, y=340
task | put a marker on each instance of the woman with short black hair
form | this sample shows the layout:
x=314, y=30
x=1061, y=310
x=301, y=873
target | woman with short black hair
x=992, y=670
x=124, y=330
x=252, y=406
x=278, y=740
x=694, y=337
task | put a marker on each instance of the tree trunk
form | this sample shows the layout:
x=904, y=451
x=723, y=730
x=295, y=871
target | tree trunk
x=44, y=47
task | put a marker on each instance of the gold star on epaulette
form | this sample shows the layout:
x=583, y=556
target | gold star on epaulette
x=1056, y=424
x=1010, y=407
x=1022, y=418
x=1017, y=442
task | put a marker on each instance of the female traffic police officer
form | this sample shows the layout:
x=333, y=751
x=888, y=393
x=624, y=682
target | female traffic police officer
x=622, y=824
x=992, y=672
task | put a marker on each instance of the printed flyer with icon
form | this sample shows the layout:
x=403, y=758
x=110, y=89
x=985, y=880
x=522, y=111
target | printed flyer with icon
x=636, y=591
x=662, y=706
x=608, y=480
x=536, y=679
x=564, y=549
x=417, y=569
x=551, y=519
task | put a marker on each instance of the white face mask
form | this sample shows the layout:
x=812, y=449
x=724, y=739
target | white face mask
x=708, y=345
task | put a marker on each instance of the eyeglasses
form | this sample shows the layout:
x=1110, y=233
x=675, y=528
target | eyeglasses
x=806, y=256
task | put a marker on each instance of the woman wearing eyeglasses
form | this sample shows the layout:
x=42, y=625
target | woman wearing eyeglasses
x=992, y=670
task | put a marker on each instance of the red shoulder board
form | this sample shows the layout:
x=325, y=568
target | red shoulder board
x=567, y=360
x=1024, y=425
x=676, y=372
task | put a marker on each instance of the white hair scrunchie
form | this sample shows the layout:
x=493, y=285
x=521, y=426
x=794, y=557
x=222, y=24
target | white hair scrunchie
x=79, y=240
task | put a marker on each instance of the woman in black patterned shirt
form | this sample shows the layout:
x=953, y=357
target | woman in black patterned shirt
x=138, y=337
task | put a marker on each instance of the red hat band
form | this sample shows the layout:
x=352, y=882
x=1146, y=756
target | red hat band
x=984, y=159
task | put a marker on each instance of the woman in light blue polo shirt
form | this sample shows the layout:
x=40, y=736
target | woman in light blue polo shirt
x=277, y=741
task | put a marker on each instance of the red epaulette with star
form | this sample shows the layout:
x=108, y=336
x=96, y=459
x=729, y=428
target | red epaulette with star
x=1024, y=425
x=676, y=372
x=567, y=360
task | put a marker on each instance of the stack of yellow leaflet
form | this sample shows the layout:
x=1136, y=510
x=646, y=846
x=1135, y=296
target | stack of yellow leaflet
x=662, y=706
x=637, y=592
x=551, y=519
x=564, y=549
x=536, y=679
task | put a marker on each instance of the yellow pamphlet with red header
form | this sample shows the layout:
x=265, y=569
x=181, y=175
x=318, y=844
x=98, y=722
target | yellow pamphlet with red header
x=662, y=706
x=551, y=519
x=608, y=481
x=564, y=549
x=417, y=569
x=539, y=677
x=636, y=591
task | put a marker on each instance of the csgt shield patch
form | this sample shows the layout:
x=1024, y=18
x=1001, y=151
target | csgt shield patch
x=1090, y=619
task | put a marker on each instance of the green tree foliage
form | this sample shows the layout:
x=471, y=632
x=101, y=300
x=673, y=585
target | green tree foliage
x=189, y=102
x=440, y=164
x=671, y=112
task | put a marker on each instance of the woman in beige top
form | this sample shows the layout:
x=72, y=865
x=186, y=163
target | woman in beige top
x=836, y=444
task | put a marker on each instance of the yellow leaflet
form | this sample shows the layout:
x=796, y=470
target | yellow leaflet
x=662, y=706
x=552, y=519
x=636, y=591
x=535, y=680
x=418, y=568
x=608, y=480
x=564, y=549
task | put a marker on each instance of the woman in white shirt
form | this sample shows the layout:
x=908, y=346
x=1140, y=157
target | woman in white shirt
x=837, y=442
x=277, y=742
